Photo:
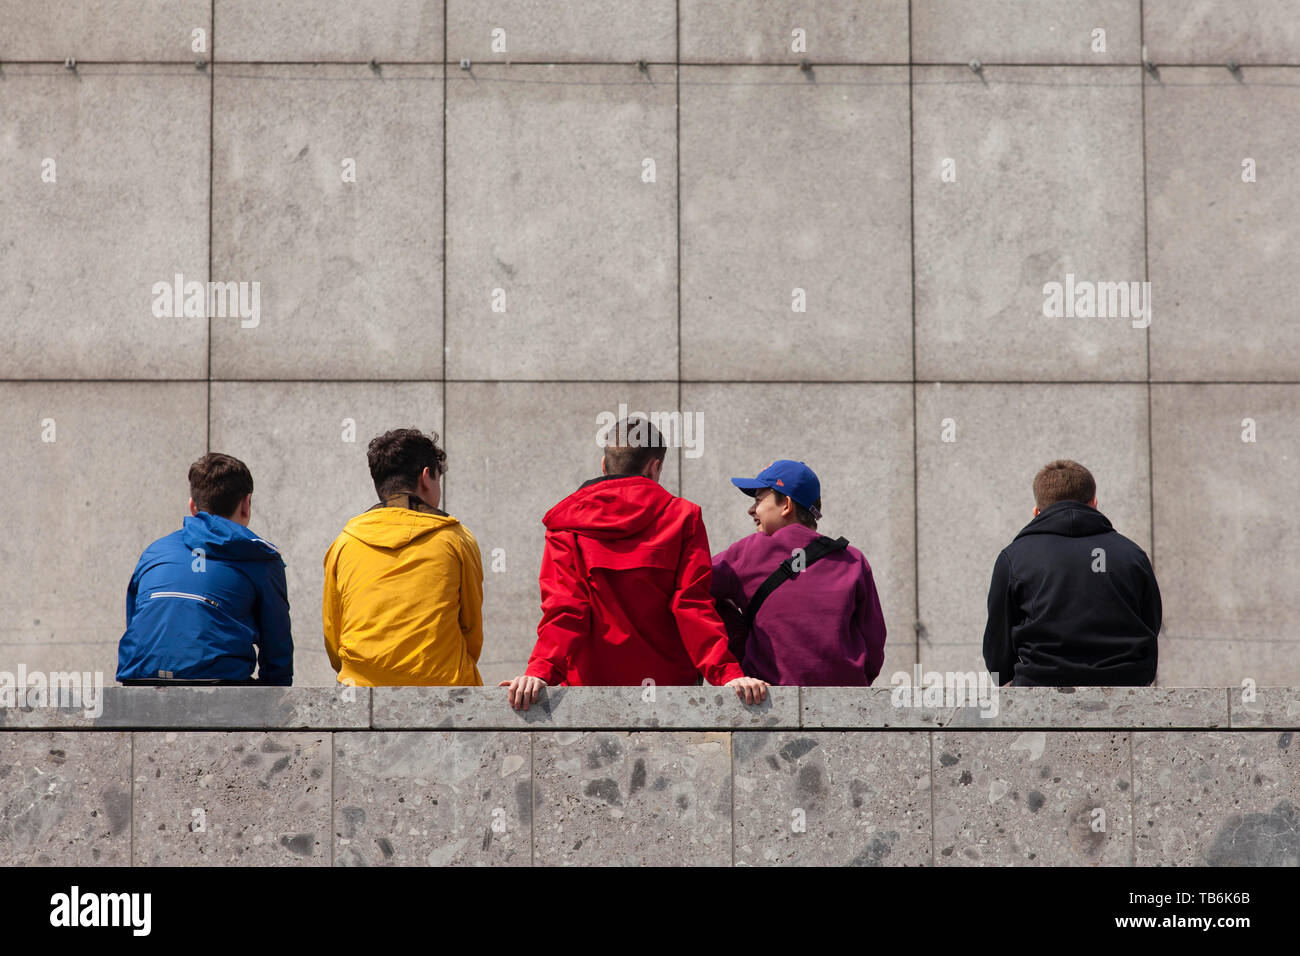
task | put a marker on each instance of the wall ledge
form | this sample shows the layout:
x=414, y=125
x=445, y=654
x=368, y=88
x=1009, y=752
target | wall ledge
x=659, y=708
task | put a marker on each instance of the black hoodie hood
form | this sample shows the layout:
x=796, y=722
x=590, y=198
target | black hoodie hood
x=1073, y=519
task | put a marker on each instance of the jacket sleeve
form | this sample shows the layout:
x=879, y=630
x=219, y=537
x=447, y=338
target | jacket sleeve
x=1152, y=610
x=698, y=623
x=274, y=639
x=132, y=593
x=729, y=600
x=725, y=584
x=471, y=596
x=999, y=652
x=332, y=609
x=566, y=609
x=869, y=621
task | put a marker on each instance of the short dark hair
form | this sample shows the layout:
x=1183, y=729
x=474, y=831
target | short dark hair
x=1063, y=480
x=801, y=514
x=642, y=444
x=218, y=483
x=398, y=457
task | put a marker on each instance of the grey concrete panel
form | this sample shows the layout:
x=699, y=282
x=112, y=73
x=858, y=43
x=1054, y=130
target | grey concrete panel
x=349, y=273
x=1266, y=707
x=1216, y=799
x=270, y=708
x=503, y=479
x=546, y=202
x=329, y=30
x=1048, y=166
x=975, y=493
x=1025, y=31
x=81, y=254
x=1227, y=543
x=232, y=799
x=588, y=30
x=828, y=799
x=857, y=438
x=795, y=197
x=1222, y=251
x=884, y=705
x=991, y=708
x=92, y=474
x=1060, y=707
x=1216, y=31
x=309, y=478
x=105, y=30
x=432, y=799
x=65, y=799
x=653, y=799
x=833, y=31
x=582, y=708
x=1032, y=799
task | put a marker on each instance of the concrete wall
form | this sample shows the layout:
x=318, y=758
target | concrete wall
x=600, y=776
x=524, y=173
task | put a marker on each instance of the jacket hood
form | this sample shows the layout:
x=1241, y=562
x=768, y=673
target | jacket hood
x=615, y=506
x=1073, y=519
x=395, y=527
x=223, y=538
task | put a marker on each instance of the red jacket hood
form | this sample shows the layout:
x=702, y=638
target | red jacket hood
x=617, y=507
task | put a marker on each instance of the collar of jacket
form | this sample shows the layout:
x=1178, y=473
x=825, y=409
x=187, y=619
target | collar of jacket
x=592, y=481
x=410, y=502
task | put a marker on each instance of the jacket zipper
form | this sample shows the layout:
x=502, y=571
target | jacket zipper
x=182, y=594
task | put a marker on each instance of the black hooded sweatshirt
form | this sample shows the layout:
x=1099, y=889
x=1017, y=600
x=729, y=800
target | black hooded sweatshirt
x=1057, y=619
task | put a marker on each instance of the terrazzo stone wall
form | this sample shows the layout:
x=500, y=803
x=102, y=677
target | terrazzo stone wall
x=601, y=776
x=500, y=219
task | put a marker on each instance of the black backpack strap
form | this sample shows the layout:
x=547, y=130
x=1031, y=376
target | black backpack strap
x=815, y=551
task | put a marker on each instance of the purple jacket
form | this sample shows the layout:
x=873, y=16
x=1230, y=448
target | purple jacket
x=822, y=628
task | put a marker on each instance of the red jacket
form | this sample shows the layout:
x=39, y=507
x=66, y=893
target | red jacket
x=625, y=590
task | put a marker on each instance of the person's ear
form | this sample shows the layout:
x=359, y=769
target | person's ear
x=787, y=509
x=656, y=469
x=1093, y=502
x=194, y=509
x=1035, y=511
x=246, y=506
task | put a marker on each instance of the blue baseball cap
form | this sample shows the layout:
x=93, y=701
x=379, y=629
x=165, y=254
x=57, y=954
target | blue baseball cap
x=793, y=479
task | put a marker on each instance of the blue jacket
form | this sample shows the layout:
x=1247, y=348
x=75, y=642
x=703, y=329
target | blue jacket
x=208, y=602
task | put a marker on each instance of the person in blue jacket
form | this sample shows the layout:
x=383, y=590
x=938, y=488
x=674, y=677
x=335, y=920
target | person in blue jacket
x=208, y=603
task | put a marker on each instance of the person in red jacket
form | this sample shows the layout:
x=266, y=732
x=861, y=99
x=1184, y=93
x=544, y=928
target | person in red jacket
x=625, y=584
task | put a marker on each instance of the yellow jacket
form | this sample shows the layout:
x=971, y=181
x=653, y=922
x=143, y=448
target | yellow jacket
x=403, y=601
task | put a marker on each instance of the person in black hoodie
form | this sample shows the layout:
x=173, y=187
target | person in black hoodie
x=1073, y=603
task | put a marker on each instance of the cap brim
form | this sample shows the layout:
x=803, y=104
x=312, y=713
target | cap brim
x=749, y=485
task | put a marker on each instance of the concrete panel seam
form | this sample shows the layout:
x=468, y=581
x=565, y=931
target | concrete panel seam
x=1132, y=809
x=131, y=796
x=931, y=733
x=332, y=826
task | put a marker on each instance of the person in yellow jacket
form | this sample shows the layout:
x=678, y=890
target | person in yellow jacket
x=403, y=602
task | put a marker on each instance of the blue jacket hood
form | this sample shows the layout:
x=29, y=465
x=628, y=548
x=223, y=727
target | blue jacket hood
x=222, y=538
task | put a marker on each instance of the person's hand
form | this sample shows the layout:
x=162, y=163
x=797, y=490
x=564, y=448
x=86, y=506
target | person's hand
x=523, y=691
x=749, y=689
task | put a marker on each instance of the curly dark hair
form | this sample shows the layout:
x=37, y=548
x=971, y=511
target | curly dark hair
x=398, y=457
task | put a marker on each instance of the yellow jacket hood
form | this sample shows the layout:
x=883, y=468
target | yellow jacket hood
x=395, y=527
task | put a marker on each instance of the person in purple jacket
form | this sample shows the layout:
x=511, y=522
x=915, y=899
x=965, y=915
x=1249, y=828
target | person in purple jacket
x=800, y=608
